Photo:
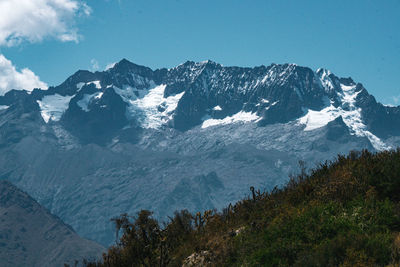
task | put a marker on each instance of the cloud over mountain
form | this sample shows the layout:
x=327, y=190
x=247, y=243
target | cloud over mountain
x=11, y=78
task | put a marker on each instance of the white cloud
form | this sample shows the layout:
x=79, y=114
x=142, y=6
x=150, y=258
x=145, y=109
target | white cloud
x=11, y=78
x=396, y=99
x=35, y=20
x=94, y=65
x=392, y=101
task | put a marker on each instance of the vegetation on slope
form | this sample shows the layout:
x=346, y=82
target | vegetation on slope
x=343, y=213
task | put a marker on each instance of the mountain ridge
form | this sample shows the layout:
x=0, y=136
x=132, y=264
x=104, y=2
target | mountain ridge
x=277, y=93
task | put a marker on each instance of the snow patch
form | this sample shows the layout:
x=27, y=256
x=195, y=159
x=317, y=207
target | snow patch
x=265, y=101
x=241, y=116
x=129, y=93
x=53, y=106
x=96, y=83
x=317, y=119
x=86, y=99
x=150, y=107
x=350, y=113
x=3, y=107
x=81, y=84
x=157, y=109
x=110, y=66
x=389, y=105
x=217, y=108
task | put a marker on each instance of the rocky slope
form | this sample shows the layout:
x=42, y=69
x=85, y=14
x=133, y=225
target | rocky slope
x=31, y=236
x=195, y=136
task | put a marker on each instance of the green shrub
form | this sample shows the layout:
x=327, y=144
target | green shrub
x=343, y=213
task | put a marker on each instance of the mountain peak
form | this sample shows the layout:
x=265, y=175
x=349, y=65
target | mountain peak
x=124, y=63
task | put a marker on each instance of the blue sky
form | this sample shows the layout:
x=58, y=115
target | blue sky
x=360, y=39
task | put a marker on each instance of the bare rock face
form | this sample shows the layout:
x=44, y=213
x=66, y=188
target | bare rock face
x=31, y=236
x=198, y=259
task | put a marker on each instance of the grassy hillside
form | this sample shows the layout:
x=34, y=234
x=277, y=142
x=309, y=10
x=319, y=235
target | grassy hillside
x=343, y=213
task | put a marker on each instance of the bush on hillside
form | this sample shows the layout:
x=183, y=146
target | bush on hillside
x=343, y=213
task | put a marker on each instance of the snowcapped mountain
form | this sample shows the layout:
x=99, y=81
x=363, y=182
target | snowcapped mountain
x=206, y=93
x=195, y=136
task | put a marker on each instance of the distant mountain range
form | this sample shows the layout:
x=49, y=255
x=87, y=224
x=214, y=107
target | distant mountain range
x=196, y=136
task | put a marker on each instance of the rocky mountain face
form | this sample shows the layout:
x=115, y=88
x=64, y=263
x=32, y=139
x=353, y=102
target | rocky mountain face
x=196, y=136
x=31, y=236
